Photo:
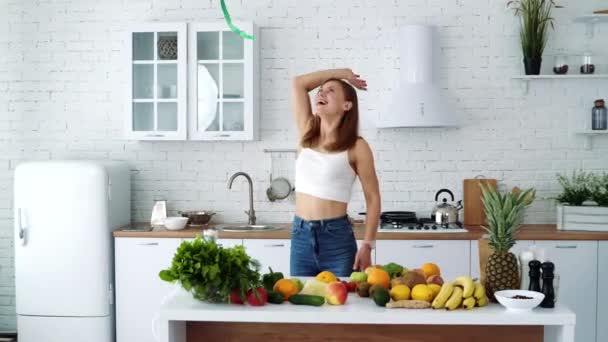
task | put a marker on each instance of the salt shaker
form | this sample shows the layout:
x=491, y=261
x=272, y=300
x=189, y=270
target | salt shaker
x=524, y=260
x=548, y=291
x=534, y=276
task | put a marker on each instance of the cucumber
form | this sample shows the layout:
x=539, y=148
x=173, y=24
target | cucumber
x=275, y=297
x=303, y=299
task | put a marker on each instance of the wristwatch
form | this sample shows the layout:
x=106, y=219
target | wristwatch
x=371, y=244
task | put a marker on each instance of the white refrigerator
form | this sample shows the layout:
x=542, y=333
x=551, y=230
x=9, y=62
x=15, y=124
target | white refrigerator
x=65, y=212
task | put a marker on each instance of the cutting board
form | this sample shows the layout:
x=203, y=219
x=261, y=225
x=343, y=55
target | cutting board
x=474, y=214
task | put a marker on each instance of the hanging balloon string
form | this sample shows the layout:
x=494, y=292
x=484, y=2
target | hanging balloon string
x=231, y=25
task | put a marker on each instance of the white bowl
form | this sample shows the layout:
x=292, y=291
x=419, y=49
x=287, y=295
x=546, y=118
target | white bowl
x=504, y=297
x=176, y=222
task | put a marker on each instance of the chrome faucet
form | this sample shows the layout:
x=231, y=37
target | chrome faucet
x=251, y=212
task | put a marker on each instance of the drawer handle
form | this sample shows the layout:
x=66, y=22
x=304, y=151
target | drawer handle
x=154, y=135
x=148, y=244
x=566, y=246
x=423, y=246
x=275, y=245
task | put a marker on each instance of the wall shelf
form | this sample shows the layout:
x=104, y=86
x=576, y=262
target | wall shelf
x=528, y=78
x=590, y=21
x=588, y=134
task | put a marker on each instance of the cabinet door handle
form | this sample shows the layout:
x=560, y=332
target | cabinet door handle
x=275, y=245
x=566, y=246
x=147, y=244
x=424, y=246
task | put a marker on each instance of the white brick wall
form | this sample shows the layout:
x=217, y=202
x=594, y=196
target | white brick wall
x=62, y=86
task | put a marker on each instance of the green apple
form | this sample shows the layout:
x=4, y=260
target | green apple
x=358, y=276
x=299, y=283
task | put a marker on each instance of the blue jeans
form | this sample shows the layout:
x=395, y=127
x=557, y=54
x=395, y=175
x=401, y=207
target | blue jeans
x=322, y=245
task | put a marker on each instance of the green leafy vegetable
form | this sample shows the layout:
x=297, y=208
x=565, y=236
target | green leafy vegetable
x=210, y=272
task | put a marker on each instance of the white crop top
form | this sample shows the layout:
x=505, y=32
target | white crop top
x=324, y=175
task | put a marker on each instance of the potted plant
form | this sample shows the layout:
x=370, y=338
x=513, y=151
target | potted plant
x=535, y=19
x=575, y=210
x=504, y=213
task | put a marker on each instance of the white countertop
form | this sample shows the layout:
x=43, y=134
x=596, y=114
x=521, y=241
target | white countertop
x=182, y=307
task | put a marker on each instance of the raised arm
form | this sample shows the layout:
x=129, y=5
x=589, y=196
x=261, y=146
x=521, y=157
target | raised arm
x=303, y=84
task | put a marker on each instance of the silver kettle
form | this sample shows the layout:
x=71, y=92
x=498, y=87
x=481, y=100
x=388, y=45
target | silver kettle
x=444, y=212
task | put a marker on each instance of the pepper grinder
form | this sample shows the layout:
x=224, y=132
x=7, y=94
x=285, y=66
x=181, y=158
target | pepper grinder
x=534, y=275
x=548, y=291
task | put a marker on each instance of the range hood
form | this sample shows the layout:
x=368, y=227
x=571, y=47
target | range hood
x=417, y=101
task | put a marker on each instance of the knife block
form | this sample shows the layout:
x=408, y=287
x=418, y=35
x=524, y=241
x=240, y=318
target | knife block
x=474, y=214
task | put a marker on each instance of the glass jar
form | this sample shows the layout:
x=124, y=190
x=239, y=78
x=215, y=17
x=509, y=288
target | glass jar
x=560, y=64
x=587, y=66
x=599, y=116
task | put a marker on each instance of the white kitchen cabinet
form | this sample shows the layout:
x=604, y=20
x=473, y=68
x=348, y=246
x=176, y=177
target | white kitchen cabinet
x=157, y=82
x=602, y=300
x=576, y=264
x=452, y=256
x=226, y=243
x=520, y=246
x=223, y=83
x=270, y=252
x=139, y=290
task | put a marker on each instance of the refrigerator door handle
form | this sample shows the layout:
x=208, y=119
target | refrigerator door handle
x=20, y=227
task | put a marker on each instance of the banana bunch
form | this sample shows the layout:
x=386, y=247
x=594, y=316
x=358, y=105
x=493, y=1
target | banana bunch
x=462, y=292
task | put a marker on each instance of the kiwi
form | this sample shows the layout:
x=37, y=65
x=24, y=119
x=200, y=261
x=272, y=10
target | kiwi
x=373, y=288
x=363, y=289
x=412, y=279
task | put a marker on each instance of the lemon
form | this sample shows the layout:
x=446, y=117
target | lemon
x=400, y=292
x=422, y=292
x=435, y=289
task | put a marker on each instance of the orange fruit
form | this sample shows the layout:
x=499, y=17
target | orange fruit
x=286, y=288
x=430, y=269
x=379, y=277
x=326, y=277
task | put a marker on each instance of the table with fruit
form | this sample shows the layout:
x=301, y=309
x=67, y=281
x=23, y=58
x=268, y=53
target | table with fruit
x=380, y=296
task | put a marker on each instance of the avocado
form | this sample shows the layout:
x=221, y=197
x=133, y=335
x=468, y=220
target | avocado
x=381, y=296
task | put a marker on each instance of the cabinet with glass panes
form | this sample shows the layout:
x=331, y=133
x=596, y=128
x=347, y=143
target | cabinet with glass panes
x=157, y=106
x=223, y=83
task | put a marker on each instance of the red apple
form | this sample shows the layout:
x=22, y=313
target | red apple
x=235, y=297
x=257, y=297
x=435, y=279
x=336, y=293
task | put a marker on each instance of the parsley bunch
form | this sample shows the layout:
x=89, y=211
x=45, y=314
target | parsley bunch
x=210, y=272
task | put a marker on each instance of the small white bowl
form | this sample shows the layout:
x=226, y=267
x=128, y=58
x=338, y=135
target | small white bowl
x=504, y=297
x=176, y=222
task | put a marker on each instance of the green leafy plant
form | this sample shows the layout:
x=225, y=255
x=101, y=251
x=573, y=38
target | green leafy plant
x=598, y=187
x=575, y=188
x=535, y=17
x=504, y=215
x=211, y=272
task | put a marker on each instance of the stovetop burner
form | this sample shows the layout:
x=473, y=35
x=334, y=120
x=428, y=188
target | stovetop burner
x=399, y=222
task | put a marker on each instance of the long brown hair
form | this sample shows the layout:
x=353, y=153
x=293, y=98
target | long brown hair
x=348, y=130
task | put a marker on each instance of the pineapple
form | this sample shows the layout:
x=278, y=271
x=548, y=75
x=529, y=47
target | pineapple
x=504, y=215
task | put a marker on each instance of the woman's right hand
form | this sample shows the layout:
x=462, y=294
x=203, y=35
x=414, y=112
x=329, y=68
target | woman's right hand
x=355, y=80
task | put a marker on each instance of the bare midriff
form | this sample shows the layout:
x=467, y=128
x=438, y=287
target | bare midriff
x=313, y=208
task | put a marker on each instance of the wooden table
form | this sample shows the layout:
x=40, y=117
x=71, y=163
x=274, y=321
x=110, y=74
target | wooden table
x=183, y=318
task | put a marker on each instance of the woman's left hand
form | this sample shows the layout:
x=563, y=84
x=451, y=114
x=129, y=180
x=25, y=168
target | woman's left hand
x=363, y=259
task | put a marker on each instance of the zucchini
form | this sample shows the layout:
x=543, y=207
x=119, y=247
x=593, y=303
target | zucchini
x=304, y=299
x=275, y=297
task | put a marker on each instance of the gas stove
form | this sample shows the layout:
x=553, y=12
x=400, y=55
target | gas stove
x=407, y=222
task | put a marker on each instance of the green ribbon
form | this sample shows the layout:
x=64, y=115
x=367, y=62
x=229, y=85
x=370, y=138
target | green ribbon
x=231, y=25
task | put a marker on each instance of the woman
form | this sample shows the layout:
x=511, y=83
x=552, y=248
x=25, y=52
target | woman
x=331, y=155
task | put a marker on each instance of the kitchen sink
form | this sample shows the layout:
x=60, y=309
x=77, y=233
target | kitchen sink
x=246, y=228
